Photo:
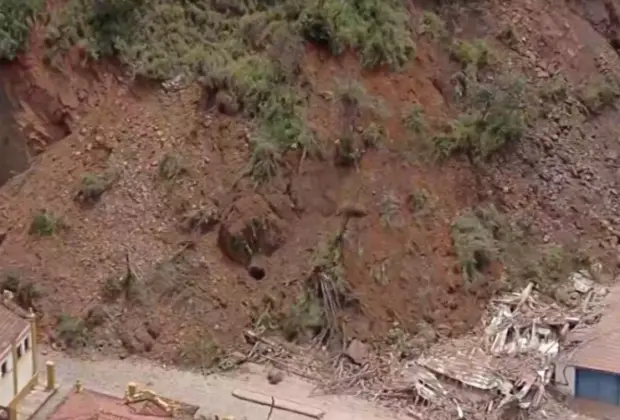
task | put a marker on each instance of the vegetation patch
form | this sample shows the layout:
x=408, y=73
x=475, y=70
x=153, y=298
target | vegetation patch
x=483, y=236
x=44, y=223
x=599, y=93
x=72, y=331
x=326, y=295
x=475, y=243
x=415, y=121
x=378, y=30
x=16, y=17
x=495, y=116
x=92, y=186
x=471, y=54
x=247, y=54
x=389, y=206
x=355, y=102
x=25, y=292
x=433, y=27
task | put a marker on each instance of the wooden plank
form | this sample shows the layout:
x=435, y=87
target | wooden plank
x=279, y=403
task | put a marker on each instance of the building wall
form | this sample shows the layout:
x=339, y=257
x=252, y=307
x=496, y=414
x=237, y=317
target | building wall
x=565, y=378
x=18, y=365
x=24, y=362
x=7, y=390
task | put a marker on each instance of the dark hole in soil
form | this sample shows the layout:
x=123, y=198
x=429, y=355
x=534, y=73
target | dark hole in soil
x=257, y=273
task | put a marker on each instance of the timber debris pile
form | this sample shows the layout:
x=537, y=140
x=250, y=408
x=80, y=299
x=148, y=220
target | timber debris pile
x=503, y=370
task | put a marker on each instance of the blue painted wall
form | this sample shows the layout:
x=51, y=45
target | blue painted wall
x=598, y=386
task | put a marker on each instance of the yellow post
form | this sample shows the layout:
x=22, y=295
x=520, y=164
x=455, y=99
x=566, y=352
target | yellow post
x=14, y=356
x=78, y=386
x=51, y=375
x=33, y=339
x=131, y=389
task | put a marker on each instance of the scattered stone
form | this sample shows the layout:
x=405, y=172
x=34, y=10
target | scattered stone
x=201, y=220
x=145, y=340
x=275, y=376
x=97, y=316
x=226, y=103
x=153, y=328
x=352, y=210
x=128, y=341
x=357, y=351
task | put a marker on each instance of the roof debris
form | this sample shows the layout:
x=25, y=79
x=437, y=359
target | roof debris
x=504, y=368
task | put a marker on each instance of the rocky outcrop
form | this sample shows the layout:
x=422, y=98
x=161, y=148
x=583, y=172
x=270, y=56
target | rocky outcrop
x=249, y=228
x=14, y=157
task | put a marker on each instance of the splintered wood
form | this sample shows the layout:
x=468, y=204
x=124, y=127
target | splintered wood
x=284, y=356
x=501, y=369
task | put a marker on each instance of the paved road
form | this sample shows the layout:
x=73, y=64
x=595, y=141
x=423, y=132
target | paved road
x=212, y=393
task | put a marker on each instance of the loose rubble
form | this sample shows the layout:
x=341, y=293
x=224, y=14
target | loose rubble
x=509, y=366
x=503, y=370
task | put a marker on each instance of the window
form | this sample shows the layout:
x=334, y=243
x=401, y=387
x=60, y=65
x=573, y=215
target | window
x=4, y=369
x=27, y=344
x=19, y=351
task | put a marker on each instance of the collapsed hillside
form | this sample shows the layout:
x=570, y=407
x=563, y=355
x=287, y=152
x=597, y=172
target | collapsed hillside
x=278, y=181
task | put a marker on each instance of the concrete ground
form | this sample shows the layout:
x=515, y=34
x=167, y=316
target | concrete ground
x=212, y=393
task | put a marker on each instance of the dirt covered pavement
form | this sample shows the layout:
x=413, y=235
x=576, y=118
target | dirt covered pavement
x=212, y=394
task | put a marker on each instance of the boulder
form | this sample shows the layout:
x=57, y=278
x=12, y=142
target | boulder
x=250, y=227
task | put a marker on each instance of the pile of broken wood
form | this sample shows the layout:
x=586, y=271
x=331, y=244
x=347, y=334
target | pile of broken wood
x=503, y=367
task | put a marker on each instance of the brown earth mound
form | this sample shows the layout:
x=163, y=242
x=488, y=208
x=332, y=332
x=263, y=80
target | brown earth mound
x=177, y=255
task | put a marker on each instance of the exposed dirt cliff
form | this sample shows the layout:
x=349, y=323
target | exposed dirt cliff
x=141, y=225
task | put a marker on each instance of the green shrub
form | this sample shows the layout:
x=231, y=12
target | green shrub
x=474, y=54
x=44, y=224
x=599, y=93
x=159, y=39
x=99, y=26
x=497, y=116
x=378, y=30
x=474, y=243
x=414, y=120
x=433, y=27
x=92, y=186
x=15, y=21
x=72, y=331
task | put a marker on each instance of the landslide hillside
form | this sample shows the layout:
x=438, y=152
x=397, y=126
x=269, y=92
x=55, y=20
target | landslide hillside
x=321, y=169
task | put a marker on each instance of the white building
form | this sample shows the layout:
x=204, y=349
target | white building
x=18, y=362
